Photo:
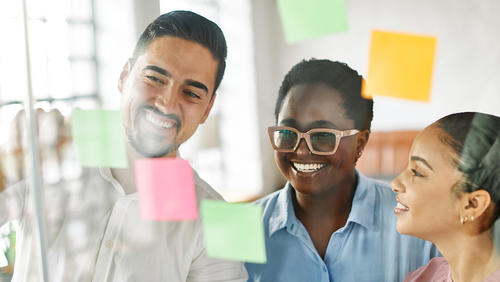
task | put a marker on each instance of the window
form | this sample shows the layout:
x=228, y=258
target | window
x=64, y=72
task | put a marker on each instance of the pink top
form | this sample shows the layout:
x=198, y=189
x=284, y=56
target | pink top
x=438, y=270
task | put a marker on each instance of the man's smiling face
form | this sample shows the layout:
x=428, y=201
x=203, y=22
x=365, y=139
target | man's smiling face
x=166, y=94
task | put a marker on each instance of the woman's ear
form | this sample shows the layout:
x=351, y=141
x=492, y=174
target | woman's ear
x=475, y=204
x=361, y=141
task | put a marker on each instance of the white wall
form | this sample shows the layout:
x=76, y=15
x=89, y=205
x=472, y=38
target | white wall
x=119, y=24
x=466, y=74
x=266, y=33
x=232, y=164
x=467, y=65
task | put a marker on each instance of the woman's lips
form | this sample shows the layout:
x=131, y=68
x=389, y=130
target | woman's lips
x=308, y=167
x=400, y=208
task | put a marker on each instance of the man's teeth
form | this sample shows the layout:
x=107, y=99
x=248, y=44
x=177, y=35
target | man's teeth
x=159, y=123
x=401, y=207
x=308, y=167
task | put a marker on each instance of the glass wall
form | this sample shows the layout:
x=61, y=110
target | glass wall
x=64, y=76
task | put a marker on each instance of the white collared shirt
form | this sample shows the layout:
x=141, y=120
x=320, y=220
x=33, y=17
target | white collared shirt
x=95, y=233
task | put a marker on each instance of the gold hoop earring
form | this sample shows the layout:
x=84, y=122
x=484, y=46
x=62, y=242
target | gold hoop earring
x=463, y=220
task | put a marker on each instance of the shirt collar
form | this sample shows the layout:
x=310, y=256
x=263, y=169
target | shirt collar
x=363, y=203
x=283, y=214
x=105, y=172
x=362, y=210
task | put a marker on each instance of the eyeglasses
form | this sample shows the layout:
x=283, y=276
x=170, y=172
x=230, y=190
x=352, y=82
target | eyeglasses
x=321, y=141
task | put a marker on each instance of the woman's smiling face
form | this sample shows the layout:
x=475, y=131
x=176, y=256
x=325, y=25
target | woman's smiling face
x=309, y=106
x=427, y=205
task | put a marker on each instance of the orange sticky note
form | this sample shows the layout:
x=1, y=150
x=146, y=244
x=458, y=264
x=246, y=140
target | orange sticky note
x=166, y=189
x=400, y=66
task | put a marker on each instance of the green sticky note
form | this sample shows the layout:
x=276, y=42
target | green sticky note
x=305, y=19
x=99, y=138
x=11, y=251
x=233, y=231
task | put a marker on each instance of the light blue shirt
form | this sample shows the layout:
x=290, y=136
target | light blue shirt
x=367, y=248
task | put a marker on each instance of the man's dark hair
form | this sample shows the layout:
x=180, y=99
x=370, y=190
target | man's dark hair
x=336, y=75
x=189, y=26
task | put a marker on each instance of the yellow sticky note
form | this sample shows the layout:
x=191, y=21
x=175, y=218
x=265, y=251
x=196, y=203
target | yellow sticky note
x=400, y=66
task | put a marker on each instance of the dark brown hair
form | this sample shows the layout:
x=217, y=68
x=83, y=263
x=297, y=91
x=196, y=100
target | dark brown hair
x=189, y=26
x=475, y=139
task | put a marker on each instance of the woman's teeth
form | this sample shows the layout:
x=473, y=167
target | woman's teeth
x=308, y=167
x=159, y=123
x=401, y=207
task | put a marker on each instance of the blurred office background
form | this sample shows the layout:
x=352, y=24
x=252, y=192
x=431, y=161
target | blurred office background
x=78, y=48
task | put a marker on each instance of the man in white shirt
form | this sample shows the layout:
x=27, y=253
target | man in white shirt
x=96, y=234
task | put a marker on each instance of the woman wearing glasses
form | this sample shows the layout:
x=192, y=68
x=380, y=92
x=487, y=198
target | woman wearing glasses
x=329, y=222
x=450, y=195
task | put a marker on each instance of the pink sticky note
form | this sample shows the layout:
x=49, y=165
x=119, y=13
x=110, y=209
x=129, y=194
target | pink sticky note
x=166, y=189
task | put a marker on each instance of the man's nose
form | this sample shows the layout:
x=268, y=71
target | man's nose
x=168, y=99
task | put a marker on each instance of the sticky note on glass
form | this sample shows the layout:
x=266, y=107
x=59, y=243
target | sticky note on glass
x=233, y=231
x=312, y=18
x=400, y=66
x=166, y=189
x=99, y=138
x=11, y=253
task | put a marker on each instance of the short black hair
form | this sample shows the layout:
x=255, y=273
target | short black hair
x=189, y=26
x=337, y=75
x=475, y=139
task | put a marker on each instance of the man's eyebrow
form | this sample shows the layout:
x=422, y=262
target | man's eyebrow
x=189, y=82
x=197, y=84
x=417, y=158
x=157, y=69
